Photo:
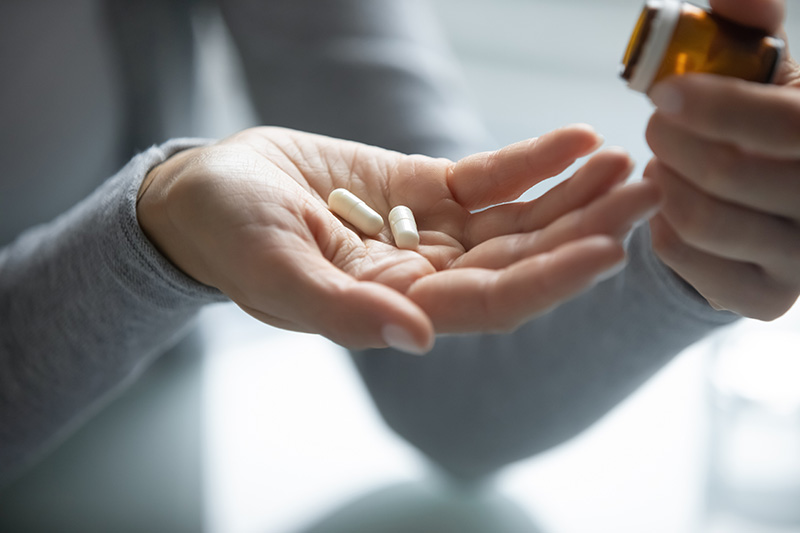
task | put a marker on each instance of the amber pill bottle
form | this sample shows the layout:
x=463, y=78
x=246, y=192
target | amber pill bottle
x=673, y=37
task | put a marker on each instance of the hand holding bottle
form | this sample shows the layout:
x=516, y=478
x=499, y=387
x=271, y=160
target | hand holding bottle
x=727, y=158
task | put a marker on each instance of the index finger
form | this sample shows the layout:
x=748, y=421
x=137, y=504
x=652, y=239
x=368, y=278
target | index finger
x=489, y=178
x=760, y=118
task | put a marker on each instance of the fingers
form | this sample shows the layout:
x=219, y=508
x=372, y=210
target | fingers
x=767, y=184
x=488, y=178
x=613, y=215
x=740, y=287
x=728, y=159
x=475, y=299
x=602, y=172
x=360, y=314
x=766, y=15
x=757, y=118
x=315, y=296
x=727, y=230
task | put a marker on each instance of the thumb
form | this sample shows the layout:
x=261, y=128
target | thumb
x=765, y=15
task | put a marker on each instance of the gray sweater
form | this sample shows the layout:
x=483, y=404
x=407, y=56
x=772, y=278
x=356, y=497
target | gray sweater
x=86, y=301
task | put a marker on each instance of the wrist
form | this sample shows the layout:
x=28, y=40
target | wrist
x=154, y=213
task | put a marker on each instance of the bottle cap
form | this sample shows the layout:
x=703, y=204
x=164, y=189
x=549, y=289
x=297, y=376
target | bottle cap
x=650, y=42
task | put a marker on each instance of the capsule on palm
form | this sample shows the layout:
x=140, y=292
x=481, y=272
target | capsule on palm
x=404, y=227
x=355, y=211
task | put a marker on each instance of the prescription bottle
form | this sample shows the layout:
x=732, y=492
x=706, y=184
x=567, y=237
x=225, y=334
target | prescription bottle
x=674, y=37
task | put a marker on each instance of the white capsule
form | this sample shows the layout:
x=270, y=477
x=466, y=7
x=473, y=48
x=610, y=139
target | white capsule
x=353, y=209
x=404, y=227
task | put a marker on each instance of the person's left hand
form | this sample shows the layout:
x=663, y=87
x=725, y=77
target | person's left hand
x=248, y=215
x=727, y=158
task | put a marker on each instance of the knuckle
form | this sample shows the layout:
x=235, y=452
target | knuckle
x=788, y=129
x=671, y=250
x=693, y=221
x=420, y=162
x=664, y=242
x=793, y=257
x=720, y=168
x=768, y=311
x=773, y=301
x=653, y=133
x=783, y=298
x=780, y=254
x=493, y=308
x=501, y=309
x=652, y=168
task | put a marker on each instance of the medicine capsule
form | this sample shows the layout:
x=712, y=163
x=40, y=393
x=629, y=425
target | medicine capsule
x=353, y=209
x=674, y=37
x=404, y=227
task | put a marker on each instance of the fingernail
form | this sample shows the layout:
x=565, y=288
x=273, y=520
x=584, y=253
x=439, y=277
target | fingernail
x=611, y=272
x=599, y=139
x=400, y=339
x=667, y=98
x=620, y=149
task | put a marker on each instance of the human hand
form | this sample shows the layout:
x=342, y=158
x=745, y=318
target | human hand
x=727, y=158
x=248, y=215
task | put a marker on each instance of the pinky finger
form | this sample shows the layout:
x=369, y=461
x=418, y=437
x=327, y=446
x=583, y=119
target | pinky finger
x=737, y=286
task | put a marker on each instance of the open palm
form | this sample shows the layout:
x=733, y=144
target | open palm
x=248, y=215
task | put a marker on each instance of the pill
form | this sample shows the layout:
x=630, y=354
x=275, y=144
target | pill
x=404, y=227
x=353, y=209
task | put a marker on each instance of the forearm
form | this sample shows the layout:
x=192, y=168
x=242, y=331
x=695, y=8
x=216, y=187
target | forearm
x=477, y=403
x=84, y=301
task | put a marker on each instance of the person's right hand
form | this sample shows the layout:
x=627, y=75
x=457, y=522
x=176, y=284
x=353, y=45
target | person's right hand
x=248, y=215
x=727, y=158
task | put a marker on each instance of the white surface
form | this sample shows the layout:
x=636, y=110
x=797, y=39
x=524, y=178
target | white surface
x=290, y=433
x=292, y=436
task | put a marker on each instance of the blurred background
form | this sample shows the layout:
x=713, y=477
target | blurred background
x=271, y=431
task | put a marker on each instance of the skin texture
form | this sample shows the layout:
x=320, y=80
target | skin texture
x=248, y=215
x=727, y=159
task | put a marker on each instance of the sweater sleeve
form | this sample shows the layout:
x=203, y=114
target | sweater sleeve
x=85, y=302
x=480, y=402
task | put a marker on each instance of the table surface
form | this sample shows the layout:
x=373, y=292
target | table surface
x=293, y=444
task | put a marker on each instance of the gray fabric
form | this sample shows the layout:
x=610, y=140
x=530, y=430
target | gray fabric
x=85, y=300
x=375, y=71
x=479, y=402
x=56, y=147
